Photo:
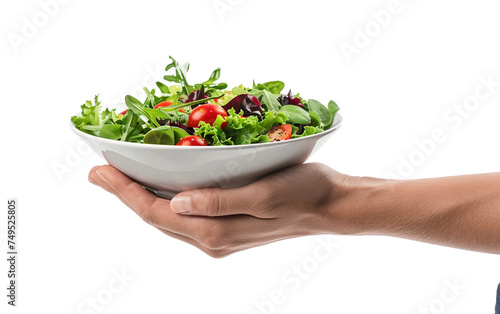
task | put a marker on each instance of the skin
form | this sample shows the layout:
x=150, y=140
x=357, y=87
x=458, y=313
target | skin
x=309, y=199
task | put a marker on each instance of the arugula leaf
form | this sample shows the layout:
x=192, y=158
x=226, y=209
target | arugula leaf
x=150, y=100
x=129, y=123
x=267, y=98
x=179, y=76
x=156, y=114
x=138, y=108
x=163, y=88
x=213, y=77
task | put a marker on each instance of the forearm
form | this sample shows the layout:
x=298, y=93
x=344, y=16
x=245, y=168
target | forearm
x=461, y=212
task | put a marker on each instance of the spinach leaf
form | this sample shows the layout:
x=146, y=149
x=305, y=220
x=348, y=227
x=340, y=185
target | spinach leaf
x=111, y=131
x=163, y=135
x=296, y=114
x=324, y=115
x=333, y=108
x=179, y=134
x=315, y=121
x=275, y=87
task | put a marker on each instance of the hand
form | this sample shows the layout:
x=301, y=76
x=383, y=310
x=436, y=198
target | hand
x=293, y=202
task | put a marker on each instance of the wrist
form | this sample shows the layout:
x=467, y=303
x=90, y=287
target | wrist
x=357, y=205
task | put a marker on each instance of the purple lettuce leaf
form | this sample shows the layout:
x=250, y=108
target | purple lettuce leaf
x=248, y=103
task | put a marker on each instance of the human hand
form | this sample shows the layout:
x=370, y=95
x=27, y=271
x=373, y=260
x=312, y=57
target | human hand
x=293, y=202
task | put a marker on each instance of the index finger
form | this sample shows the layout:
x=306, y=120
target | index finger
x=152, y=209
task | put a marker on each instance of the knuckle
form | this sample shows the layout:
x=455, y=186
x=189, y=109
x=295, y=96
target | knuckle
x=146, y=216
x=215, y=237
x=216, y=254
x=210, y=203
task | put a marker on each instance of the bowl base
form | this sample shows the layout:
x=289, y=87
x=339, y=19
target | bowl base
x=162, y=194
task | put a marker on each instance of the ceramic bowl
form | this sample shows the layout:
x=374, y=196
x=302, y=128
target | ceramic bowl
x=167, y=170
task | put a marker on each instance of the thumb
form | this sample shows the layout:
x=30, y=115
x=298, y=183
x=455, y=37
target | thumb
x=211, y=202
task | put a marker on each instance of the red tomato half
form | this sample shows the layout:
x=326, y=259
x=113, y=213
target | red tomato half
x=124, y=112
x=207, y=114
x=192, y=140
x=166, y=104
x=280, y=133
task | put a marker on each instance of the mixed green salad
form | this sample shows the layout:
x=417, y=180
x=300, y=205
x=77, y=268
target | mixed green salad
x=208, y=114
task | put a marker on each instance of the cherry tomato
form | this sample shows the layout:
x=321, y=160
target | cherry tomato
x=124, y=112
x=280, y=133
x=192, y=140
x=207, y=114
x=166, y=104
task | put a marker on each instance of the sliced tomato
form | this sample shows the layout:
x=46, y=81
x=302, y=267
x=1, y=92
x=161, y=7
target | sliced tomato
x=280, y=133
x=206, y=113
x=192, y=140
x=124, y=112
x=166, y=104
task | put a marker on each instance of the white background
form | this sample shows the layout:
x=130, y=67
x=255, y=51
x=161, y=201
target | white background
x=394, y=91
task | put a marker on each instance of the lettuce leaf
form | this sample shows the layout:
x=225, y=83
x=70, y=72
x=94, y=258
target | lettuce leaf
x=244, y=130
x=91, y=119
x=308, y=130
x=239, y=130
x=213, y=134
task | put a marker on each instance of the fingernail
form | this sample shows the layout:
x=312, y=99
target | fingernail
x=101, y=176
x=92, y=181
x=181, y=204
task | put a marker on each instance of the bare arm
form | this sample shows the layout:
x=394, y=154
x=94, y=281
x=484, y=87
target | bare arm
x=462, y=212
x=309, y=199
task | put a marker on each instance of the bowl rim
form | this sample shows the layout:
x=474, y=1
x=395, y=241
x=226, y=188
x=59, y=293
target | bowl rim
x=338, y=119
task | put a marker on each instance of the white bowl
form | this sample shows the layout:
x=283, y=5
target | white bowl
x=167, y=169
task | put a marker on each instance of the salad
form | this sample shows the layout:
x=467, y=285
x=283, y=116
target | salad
x=207, y=114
